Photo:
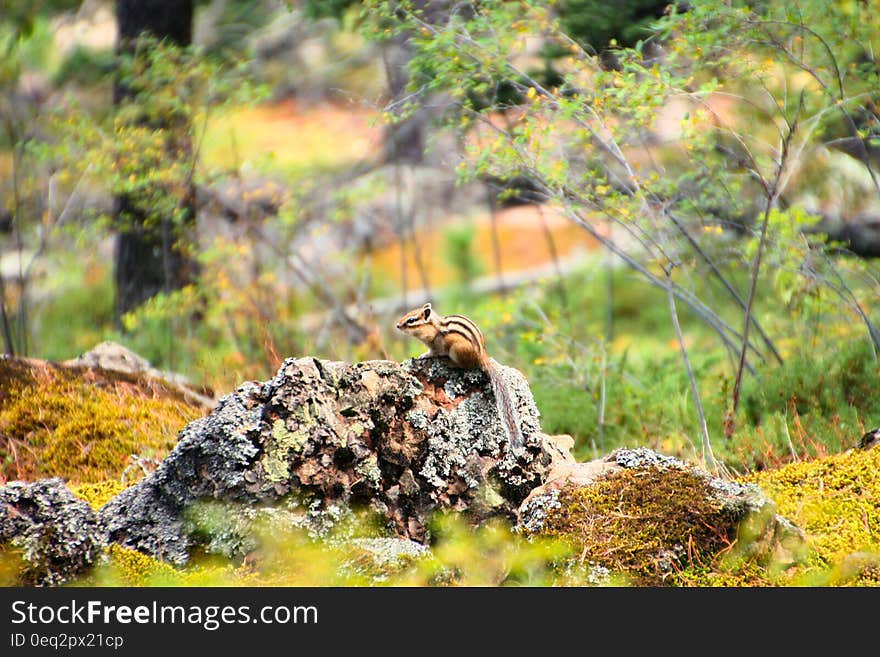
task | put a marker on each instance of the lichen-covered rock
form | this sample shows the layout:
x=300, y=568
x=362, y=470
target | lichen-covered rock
x=322, y=438
x=209, y=462
x=651, y=516
x=54, y=535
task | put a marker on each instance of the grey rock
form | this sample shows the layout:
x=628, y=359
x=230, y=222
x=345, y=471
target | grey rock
x=58, y=535
x=210, y=461
x=322, y=439
x=534, y=510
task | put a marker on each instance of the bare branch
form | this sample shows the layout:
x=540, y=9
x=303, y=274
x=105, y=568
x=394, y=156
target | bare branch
x=756, y=265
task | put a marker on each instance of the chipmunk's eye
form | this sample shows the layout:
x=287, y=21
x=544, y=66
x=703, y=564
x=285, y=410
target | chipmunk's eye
x=411, y=321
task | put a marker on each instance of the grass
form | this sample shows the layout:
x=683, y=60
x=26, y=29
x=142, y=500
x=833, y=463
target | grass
x=75, y=312
x=461, y=555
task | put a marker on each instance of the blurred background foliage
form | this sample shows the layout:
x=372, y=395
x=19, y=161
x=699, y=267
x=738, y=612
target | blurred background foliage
x=555, y=170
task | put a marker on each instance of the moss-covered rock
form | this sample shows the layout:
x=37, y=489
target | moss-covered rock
x=83, y=424
x=656, y=519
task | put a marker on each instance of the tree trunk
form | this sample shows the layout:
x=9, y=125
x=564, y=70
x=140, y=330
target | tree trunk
x=404, y=142
x=148, y=258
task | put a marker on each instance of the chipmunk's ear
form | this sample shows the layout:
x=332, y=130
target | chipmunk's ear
x=426, y=311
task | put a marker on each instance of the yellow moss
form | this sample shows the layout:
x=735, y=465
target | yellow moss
x=12, y=564
x=134, y=568
x=58, y=425
x=98, y=493
x=126, y=567
x=749, y=574
x=836, y=501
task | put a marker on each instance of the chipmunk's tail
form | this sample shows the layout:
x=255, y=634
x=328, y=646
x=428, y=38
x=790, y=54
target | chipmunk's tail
x=506, y=407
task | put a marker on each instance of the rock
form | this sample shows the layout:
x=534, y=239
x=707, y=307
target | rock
x=113, y=357
x=870, y=439
x=56, y=535
x=649, y=516
x=859, y=234
x=324, y=438
x=209, y=462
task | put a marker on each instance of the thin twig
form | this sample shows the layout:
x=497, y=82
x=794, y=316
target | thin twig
x=772, y=193
x=844, y=291
x=727, y=285
x=708, y=457
x=864, y=155
x=493, y=235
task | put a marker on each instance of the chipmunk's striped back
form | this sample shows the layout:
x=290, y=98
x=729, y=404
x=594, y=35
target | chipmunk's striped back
x=463, y=326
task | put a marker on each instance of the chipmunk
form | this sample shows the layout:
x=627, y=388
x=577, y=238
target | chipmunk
x=458, y=338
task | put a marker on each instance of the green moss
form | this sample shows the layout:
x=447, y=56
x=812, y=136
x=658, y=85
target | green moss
x=648, y=524
x=80, y=425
